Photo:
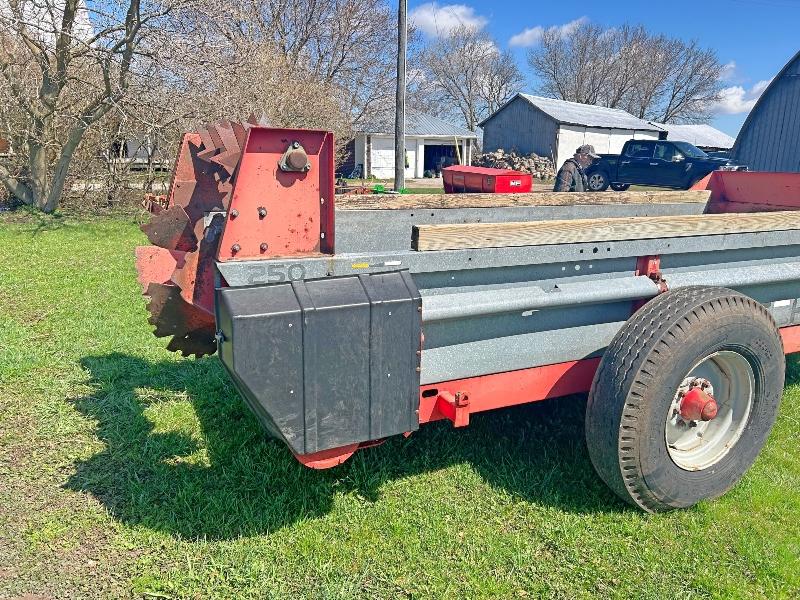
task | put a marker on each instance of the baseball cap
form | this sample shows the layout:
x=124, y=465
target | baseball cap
x=587, y=149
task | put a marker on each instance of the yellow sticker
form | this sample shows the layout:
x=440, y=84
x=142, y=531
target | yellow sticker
x=359, y=266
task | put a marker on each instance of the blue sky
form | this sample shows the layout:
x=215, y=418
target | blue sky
x=754, y=38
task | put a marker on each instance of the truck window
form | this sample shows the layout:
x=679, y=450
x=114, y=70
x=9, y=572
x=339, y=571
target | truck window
x=639, y=150
x=665, y=152
x=689, y=150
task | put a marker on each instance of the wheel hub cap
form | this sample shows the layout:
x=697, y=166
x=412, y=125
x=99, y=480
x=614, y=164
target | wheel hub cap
x=697, y=405
x=710, y=410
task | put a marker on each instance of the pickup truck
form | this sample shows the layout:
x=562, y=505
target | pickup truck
x=658, y=163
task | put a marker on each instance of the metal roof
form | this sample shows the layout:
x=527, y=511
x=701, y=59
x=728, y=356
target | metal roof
x=587, y=115
x=702, y=135
x=417, y=124
x=770, y=137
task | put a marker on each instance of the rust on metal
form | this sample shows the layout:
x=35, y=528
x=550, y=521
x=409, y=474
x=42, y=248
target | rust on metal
x=171, y=229
x=189, y=232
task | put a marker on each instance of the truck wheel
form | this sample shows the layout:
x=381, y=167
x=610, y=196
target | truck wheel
x=685, y=397
x=598, y=182
x=620, y=187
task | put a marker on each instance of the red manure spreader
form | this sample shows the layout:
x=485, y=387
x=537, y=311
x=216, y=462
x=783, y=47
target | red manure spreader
x=343, y=321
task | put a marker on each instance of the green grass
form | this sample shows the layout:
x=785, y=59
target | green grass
x=424, y=190
x=126, y=471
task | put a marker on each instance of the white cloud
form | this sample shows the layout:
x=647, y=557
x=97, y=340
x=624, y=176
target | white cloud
x=760, y=87
x=736, y=99
x=434, y=19
x=729, y=71
x=527, y=37
x=533, y=35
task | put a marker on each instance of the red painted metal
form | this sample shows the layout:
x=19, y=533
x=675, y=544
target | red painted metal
x=697, y=405
x=155, y=265
x=650, y=266
x=464, y=178
x=791, y=339
x=276, y=213
x=750, y=191
x=454, y=407
x=327, y=458
x=197, y=185
x=499, y=390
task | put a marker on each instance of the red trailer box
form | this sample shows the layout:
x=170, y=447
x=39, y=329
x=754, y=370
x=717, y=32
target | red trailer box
x=463, y=178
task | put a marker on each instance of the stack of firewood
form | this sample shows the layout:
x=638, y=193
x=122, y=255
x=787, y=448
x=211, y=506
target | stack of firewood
x=540, y=167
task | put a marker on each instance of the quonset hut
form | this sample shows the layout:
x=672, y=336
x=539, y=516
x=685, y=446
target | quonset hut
x=770, y=137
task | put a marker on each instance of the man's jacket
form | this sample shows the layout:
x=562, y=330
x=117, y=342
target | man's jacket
x=571, y=178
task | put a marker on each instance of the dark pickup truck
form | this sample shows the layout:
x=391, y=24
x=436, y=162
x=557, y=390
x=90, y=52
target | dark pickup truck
x=657, y=163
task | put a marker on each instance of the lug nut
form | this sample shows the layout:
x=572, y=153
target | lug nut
x=262, y=212
x=263, y=247
x=234, y=213
x=235, y=248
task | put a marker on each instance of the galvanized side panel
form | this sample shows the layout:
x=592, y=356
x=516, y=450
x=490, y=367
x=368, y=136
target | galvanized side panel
x=469, y=347
x=563, y=256
x=496, y=310
x=326, y=363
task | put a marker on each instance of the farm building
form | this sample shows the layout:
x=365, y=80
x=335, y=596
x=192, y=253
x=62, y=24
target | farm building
x=430, y=142
x=703, y=136
x=555, y=128
x=770, y=137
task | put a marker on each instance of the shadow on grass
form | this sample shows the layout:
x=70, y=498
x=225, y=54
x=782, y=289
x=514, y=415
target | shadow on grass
x=230, y=480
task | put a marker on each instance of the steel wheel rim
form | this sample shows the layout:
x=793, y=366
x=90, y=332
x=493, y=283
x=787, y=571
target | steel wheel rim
x=698, y=445
x=595, y=181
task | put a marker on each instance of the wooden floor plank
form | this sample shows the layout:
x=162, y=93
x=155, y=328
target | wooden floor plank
x=538, y=233
x=422, y=201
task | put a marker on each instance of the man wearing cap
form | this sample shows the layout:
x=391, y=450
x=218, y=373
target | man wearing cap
x=571, y=176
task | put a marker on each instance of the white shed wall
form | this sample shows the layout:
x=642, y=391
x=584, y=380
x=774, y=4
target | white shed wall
x=383, y=156
x=605, y=141
x=360, y=157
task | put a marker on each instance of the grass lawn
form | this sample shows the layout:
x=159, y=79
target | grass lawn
x=128, y=471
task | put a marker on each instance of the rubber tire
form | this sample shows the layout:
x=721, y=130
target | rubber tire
x=620, y=187
x=639, y=375
x=606, y=182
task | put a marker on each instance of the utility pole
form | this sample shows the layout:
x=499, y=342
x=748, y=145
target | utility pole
x=400, y=99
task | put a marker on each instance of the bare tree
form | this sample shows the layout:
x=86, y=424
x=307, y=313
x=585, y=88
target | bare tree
x=652, y=76
x=63, y=67
x=226, y=63
x=346, y=44
x=469, y=72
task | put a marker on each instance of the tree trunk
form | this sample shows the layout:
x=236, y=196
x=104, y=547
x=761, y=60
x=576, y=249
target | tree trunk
x=53, y=197
x=37, y=163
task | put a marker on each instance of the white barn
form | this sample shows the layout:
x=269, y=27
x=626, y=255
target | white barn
x=430, y=141
x=555, y=128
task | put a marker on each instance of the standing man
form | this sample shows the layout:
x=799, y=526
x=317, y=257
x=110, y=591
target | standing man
x=571, y=176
